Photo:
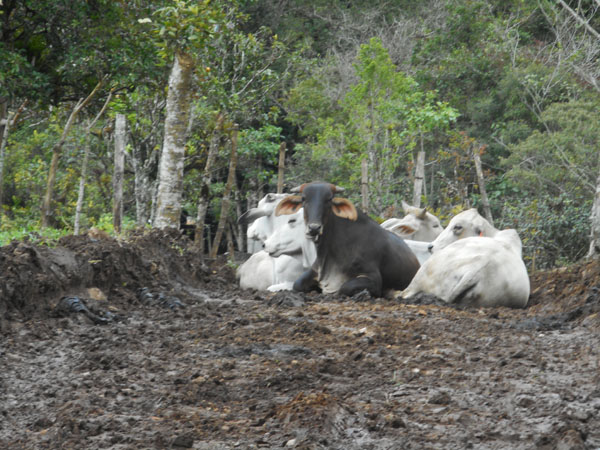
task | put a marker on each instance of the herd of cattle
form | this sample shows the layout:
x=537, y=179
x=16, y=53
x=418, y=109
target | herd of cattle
x=312, y=239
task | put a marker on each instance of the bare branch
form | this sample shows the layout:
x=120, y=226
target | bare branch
x=580, y=19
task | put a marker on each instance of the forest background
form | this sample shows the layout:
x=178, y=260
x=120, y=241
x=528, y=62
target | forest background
x=121, y=114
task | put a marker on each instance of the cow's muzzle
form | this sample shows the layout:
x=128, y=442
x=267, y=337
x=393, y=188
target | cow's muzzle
x=313, y=231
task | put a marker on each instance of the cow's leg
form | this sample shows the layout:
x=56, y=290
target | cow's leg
x=371, y=283
x=307, y=282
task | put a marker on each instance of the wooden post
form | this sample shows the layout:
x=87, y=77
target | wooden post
x=226, y=194
x=419, y=177
x=364, y=185
x=119, y=169
x=484, y=198
x=281, y=168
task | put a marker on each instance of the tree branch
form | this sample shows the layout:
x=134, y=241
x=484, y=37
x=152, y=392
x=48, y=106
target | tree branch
x=580, y=19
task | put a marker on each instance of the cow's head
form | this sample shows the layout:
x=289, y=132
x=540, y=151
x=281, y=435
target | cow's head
x=418, y=224
x=319, y=202
x=465, y=224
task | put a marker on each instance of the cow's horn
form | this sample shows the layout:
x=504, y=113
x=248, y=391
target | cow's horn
x=297, y=189
x=339, y=189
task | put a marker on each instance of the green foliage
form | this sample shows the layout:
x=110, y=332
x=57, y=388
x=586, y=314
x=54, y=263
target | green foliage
x=41, y=236
x=383, y=117
x=563, y=157
x=553, y=230
x=186, y=26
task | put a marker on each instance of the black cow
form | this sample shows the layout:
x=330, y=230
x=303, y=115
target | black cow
x=353, y=251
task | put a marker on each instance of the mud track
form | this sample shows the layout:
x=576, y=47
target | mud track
x=138, y=344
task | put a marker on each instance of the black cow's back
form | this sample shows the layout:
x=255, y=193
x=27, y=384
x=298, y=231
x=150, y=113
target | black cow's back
x=362, y=246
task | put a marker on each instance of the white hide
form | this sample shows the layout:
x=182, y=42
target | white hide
x=262, y=221
x=263, y=272
x=420, y=249
x=289, y=239
x=256, y=272
x=477, y=271
x=416, y=225
x=465, y=224
x=283, y=263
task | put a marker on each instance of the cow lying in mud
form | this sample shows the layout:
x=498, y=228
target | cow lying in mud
x=353, y=252
x=476, y=270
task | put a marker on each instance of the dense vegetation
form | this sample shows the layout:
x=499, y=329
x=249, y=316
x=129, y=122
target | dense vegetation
x=339, y=82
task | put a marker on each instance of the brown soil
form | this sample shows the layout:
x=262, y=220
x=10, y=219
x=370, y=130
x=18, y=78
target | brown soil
x=170, y=353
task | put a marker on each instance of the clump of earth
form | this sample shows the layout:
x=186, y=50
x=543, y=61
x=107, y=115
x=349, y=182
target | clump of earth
x=142, y=343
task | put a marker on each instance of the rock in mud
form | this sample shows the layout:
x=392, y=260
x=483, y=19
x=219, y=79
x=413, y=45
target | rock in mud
x=69, y=305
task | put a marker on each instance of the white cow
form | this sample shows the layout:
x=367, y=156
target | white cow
x=290, y=239
x=261, y=271
x=418, y=228
x=477, y=271
x=465, y=224
x=420, y=249
x=262, y=221
x=416, y=225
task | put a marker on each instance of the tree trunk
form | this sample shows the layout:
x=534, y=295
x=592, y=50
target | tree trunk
x=4, y=128
x=364, y=185
x=81, y=192
x=281, y=168
x=226, y=195
x=56, y=151
x=6, y=123
x=419, y=177
x=484, y=198
x=179, y=99
x=239, y=232
x=119, y=169
x=594, y=250
x=213, y=151
x=143, y=184
x=80, y=195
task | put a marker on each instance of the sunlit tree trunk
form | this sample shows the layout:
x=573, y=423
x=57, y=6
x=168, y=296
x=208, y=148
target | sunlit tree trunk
x=226, y=195
x=170, y=187
x=419, y=177
x=594, y=250
x=364, y=185
x=119, y=169
x=481, y=181
x=281, y=168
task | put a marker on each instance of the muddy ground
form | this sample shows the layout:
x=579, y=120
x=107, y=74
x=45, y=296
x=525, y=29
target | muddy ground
x=171, y=354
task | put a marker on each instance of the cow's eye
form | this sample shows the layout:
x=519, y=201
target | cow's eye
x=436, y=226
x=457, y=229
x=292, y=221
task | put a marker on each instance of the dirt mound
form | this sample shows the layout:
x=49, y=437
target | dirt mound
x=139, y=343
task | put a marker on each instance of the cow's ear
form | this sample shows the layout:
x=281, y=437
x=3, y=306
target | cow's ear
x=289, y=205
x=251, y=215
x=342, y=207
x=404, y=229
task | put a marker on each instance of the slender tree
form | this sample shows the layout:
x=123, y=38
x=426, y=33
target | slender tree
x=184, y=28
x=56, y=152
x=84, y=164
x=223, y=219
x=118, y=171
x=170, y=175
x=203, y=201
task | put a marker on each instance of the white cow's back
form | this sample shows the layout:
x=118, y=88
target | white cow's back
x=478, y=271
